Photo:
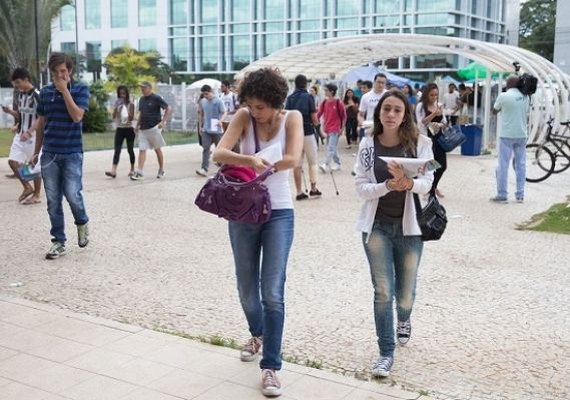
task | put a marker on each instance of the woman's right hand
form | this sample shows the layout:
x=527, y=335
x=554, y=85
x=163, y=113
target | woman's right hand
x=260, y=164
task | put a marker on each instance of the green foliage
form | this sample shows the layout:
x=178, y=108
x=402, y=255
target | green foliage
x=17, y=33
x=127, y=66
x=96, y=119
x=537, y=25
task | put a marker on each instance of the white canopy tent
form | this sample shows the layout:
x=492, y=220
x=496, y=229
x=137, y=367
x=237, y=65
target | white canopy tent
x=333, y=58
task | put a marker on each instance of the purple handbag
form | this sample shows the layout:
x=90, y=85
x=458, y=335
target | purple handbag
x=246, y=202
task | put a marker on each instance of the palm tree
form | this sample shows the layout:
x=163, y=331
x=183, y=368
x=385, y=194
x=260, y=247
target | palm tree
x=17, y=32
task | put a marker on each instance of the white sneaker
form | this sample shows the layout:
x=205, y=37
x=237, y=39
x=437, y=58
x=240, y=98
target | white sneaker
x=324, y=168
x=335, y=167
x=202, y=172
x=270, y=385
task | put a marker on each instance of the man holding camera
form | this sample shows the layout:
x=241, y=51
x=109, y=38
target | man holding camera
x=513, y=105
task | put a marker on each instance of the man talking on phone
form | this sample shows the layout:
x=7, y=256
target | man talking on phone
x=60, y=111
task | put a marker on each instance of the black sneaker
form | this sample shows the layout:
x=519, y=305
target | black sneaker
x=302, y=196
x=315, y=193
x=404, y=331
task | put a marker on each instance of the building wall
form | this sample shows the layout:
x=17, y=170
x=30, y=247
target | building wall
x=222, y=36
x=562, y=36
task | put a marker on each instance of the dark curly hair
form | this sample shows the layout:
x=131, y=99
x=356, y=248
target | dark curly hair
x=265, y=84
x=408, y=132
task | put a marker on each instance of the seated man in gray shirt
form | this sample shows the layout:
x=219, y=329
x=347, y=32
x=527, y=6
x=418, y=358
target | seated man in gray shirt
x=213, y=113
x=149, y=128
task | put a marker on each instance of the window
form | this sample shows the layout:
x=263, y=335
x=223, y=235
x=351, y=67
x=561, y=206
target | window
x=389, y=7
x=309, y=37
x=147, y=45
x=273, y=27
x=67, y=18
x=241, y=11
x=92, y=14
x=346, y=7
x=240, y=51
x=272, y=43
x=179, y=54
x=178, y=12
x=115, y=44
x=68, y=47
x=93, y=55
x=209, y=11
x=119, y=13
x=147, y=12
x=209, y=51
x=436, y=5
x=240, y=28
x=309, y=9
x=274, y=9
x=433, y=19
x=347, y=23
x=309, y=25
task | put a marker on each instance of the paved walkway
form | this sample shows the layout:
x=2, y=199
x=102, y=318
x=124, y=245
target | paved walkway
x=491, y=316
x=49, y=354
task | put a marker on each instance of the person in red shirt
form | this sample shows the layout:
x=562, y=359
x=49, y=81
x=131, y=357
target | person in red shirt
x=334, y=115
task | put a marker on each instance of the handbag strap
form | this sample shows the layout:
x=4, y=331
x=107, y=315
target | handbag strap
x=257, y=145
x=259, y=178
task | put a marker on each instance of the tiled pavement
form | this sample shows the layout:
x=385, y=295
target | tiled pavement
x=50, y=354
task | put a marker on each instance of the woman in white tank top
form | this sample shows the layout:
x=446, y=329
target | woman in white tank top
x=261, y=285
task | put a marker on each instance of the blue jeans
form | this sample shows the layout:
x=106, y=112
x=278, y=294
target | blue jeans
x=62, y=174
x=262, y=290
x=507, y=148
x=394, y=260
x=332, y=144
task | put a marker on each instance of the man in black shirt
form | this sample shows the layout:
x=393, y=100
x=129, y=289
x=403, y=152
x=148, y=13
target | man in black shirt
x=149, y=128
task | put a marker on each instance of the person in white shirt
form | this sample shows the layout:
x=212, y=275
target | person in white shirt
x=370, y=100
x=451, y=104
x=231, y=103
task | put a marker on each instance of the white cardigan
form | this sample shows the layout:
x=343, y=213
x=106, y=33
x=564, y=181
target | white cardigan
x=370, y=190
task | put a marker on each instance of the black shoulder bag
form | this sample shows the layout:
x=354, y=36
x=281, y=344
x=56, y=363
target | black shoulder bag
x=432, y=218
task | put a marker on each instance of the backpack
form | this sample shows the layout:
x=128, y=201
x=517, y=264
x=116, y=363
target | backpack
x=527, y=84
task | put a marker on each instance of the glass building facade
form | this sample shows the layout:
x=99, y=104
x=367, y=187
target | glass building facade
x=223, y=36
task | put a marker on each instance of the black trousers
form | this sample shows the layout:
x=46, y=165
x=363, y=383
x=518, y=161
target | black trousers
x=351, y=129
x=120, y=135
x=440, y=156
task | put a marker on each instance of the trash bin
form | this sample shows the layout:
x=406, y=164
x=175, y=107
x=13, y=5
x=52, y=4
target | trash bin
x=472, y=144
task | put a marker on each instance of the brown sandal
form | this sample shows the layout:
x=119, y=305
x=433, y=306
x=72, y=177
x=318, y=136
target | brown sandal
x=25, y=195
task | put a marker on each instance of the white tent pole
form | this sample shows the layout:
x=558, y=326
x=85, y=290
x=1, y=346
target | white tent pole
x=184, y=104
x=487, y=115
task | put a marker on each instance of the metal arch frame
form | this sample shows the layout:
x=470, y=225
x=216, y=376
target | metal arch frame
x=332, y=58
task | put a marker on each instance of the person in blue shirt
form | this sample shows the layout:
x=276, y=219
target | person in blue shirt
x=60, y=112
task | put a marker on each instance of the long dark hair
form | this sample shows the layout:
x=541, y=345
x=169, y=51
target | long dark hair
x=425, y=95
x=408, y=132
x=126, y=89
x=354, y=98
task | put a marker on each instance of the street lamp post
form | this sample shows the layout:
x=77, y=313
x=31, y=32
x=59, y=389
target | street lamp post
x=36, y=26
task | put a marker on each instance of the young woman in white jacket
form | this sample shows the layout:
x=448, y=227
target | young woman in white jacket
x=390, y=232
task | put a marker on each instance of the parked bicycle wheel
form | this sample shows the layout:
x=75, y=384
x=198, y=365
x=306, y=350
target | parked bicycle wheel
x=539, y=163
x=561, y=151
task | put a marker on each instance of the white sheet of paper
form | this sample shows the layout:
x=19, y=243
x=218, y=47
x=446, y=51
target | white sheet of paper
x=214, y=124
x=412, y=166
x=271, y=153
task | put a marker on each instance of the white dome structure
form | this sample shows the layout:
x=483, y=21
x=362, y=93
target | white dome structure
x=333, y=58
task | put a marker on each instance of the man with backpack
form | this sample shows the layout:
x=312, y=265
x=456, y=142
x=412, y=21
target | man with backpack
x=302, y=101
x=334, y=114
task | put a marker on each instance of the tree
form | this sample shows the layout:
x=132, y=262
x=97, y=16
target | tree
x=129, y=67
x=537, y=24
x=17, y=33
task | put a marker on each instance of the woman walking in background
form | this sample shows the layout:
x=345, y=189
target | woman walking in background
x=429, y=114
x=123, y=114
x=351, y=103
x=261, y=251
x=390, y=232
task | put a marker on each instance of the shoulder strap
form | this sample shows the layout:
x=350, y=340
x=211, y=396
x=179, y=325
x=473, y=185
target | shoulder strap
x=257, y=146
x=338, y=111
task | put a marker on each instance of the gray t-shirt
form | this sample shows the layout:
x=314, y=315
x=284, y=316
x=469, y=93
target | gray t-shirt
x=212, y=109
x=149, y=107
x=391, y=206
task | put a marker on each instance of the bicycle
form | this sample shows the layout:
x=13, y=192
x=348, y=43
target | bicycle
x=550, y=157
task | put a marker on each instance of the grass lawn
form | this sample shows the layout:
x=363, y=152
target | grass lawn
x=556, y=220
x=101, y=141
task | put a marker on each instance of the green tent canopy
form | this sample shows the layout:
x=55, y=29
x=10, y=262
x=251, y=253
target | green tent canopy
x=476, y=70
